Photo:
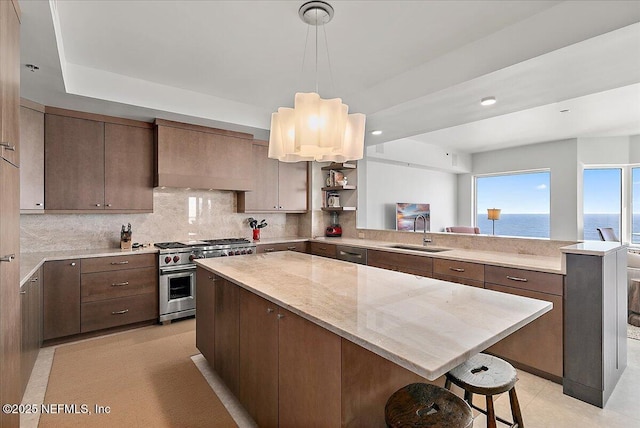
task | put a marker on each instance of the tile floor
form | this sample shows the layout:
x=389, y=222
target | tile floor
x=542, y=402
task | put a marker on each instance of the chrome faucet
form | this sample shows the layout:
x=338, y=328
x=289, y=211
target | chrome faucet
x=425, y=240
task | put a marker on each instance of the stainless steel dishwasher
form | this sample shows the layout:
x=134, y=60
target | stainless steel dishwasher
x=352, y=254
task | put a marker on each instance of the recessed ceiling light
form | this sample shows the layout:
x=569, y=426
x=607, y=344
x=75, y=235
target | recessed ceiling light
x=488, y=101
x=377, y=132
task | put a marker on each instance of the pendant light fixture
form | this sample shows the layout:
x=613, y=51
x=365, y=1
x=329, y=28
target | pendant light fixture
x=316, y=129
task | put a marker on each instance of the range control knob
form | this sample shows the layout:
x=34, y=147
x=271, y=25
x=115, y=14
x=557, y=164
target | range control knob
x=249, y=251
x=243, y=252
x=192, y=257
x=176, y=259
x=231, y=253
x=237, y=252
x=223, y=255
x=167, y=260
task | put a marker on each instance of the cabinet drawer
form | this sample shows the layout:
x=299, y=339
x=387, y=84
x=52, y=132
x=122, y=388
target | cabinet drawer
x=322, y=249
x=123, y=283
x=104, y=264
x=458, y=269
x=282, y=246
x=116, y=312
x=407, y=263
x=458, y=280
x=525, y=279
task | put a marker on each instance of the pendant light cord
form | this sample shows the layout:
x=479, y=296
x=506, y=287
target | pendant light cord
x=317, y=52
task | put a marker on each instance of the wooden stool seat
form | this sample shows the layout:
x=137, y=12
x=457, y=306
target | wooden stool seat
x=424, y=405
x=487, y=375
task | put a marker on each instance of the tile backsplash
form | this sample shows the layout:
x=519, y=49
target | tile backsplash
x=179, y=214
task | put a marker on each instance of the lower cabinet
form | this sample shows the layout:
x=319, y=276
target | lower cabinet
x=459, y=272
x=322, y=249
x=300, y=247
x=407, y=263
x=205, y=319
x=226, y=332
x=61, y=299
x=31, y=307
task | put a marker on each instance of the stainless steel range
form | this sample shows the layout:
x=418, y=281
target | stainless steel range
x=178, y=271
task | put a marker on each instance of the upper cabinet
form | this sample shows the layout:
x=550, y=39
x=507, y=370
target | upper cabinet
x=97, y=163
x=9, y=82
x=202, y=158
x=279, y=186
x=32, y=154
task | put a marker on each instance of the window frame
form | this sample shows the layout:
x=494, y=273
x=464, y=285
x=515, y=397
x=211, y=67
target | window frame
x=625, y=198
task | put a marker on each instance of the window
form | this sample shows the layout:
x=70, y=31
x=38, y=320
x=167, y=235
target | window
x=602, y=200
x=635, y=197
x=524, y=201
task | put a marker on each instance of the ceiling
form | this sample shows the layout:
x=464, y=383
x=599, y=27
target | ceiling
x=417, y=69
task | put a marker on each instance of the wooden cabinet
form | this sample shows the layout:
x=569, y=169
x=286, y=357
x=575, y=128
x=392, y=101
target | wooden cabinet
x=258, y=390
x=345, y=192
x=300, y=247
x=309, y=368
x=459, y=272
x=10, y=82
x=118, y=290
x=93, y=165
x=61, y=299
x=205, y=316
x=322, y=249
x=32, y=154
x=10, y=319
x=31, y=307
x=407, y=263
x=226, y=333
x=278, y=186
x=538, y=345
x=202, y=158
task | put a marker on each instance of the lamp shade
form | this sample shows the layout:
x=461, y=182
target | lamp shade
x=493, y=213
x=316, y=129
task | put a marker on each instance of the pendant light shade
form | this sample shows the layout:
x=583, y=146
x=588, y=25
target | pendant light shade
x=316, y=129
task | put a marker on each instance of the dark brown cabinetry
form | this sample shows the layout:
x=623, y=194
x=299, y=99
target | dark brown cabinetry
x=538, y=345
x=322, y=249
x=202, y=158
x=407, y=263
x=32, y=155
x=226, y=333
x=278, y=186
x=92, y=164
x=459, y=272
x=258, y=390
x=205, y=318
x=31, y=307
x=118, y=290
x=61, y=299
x=300, y=247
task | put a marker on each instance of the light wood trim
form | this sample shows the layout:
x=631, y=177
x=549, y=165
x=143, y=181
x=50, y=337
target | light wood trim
x=199, y=128
x=32, y=105
x=96, y=117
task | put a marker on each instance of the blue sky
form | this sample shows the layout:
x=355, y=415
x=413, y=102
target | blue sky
x=514, y=194
x=602, y=190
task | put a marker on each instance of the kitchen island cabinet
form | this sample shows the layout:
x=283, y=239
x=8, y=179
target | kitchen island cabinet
x=418, y=325
x=205, y=302
x=226, y=358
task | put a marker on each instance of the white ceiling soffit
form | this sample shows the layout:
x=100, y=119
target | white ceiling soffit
x=413, y=67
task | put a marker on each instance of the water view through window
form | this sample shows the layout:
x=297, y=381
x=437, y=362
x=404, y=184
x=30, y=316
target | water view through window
x=602, y=201
x=523, y=199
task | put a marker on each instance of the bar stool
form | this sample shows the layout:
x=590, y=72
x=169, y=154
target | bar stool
x=421, y=405
x=487, y=375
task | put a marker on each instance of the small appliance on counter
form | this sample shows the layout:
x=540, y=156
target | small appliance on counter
x=335, y=229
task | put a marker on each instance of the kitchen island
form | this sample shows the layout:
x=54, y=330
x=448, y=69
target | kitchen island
x=343, y=336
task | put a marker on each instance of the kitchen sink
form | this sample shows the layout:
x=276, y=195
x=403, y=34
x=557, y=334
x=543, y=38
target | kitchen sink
x=417, y=248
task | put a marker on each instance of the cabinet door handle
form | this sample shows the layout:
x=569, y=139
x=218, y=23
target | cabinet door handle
x=124, y=262
x=23, y=292
x=98, y=205
x=120, y=312
x=280, y=316
x=8, y=258
x=34, y=280
x=291, y=248
x=120, y=284
x=39, y=204
x=322, y=248
x=108, y=205
x=269, y=250
x=456, y=269
x=8, y=146
x=270, y=310
x=515, y=278
x=73, y=263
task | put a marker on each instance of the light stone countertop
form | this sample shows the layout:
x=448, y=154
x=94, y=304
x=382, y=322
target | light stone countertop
x=593, y=248
x=30, y=262
x=422, y=324
x=496, y=258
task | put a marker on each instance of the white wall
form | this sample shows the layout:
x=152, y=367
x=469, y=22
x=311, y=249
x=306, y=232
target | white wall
x=560, y=157
x=387, y=184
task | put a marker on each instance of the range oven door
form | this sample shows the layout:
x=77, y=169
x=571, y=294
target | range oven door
x=177, y=292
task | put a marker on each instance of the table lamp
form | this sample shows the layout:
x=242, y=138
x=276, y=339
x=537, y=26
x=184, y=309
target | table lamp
x=493, y=214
